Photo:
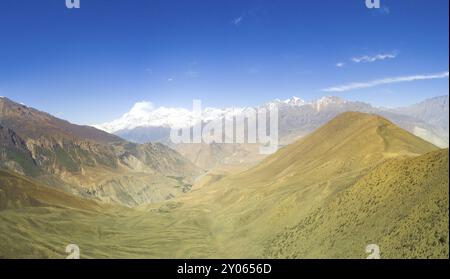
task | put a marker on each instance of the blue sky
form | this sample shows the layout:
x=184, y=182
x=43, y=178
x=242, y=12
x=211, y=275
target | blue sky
x=90, y=65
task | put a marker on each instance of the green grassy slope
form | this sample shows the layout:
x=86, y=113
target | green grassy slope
x=402, y=206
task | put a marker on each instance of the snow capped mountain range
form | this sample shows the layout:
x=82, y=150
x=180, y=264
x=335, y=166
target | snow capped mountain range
x=144, y=114
x=297, y=118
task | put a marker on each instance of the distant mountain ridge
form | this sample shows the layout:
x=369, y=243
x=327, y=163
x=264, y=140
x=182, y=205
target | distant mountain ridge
x=297, y=118
x=143, y=115
x=434, y=110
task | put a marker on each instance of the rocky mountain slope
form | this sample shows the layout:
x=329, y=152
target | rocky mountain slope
x=89, y=162
x=34, y=124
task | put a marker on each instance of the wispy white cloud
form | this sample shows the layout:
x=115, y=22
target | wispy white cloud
x=237, y=21
x=249, y=15
x=340, y=65
x=361, y=85
x=370, y=59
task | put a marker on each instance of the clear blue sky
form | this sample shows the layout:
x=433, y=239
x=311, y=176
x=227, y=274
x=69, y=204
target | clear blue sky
x=92, y=64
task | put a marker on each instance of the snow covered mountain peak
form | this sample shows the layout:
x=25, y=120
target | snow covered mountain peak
x=144, y=114
x=295, y=101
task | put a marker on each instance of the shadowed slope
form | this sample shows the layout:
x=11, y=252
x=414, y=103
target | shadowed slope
x=18, y=192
